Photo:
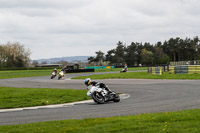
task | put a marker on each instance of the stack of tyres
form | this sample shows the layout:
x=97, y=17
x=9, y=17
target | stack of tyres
x=150, y=71
x=181, y=69
x=159, y=70
x=191, y=69
x=197, y=69
x=177, y=70
x=155, y=70
x=185, y=69
x=194, y=69
x=171, y=70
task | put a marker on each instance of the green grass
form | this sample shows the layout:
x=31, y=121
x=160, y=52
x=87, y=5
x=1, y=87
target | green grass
x=171, y=122
x=141, y=75
x=119, y=69
x=28, y=97
x=33, y=73
x=24, y=73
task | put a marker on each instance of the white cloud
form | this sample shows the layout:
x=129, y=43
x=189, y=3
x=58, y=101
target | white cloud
x=56, y=28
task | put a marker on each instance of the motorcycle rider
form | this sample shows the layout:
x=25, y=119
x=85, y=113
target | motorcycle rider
x=89, y=83
x=62, y=71
x=125, y=69
x=55, y=70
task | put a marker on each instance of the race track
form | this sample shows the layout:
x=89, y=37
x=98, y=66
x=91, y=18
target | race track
x=146, y=96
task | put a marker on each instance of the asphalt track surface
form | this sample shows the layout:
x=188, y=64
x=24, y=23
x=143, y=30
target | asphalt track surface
x=146, y=96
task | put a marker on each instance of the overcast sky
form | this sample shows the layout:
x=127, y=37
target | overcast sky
x=58, y=28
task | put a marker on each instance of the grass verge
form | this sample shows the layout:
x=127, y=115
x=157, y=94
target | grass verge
x=119, y=69
x=171, y=122
x=46, y=72
x=24, y=73
x=141, y=75
x=28, y=97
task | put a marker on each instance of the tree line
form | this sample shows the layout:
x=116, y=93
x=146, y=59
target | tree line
x=14, y=55
x=174, y=49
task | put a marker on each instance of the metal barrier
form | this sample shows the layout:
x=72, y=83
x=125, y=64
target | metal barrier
x=156, y=70
x=180, y=63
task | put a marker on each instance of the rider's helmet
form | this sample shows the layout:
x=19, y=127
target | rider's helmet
x=54, y=68
x=87, y=81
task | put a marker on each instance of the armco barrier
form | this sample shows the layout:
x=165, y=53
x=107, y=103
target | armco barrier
x=181, y=63
x=185, y=69
x=155, y=70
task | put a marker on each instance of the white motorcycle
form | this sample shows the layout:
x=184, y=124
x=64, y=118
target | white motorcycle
x=101, y=95
x=124, y=70
x=60, y=75
x=53, y=75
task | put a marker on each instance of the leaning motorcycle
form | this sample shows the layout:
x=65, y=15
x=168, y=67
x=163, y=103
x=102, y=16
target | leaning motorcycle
x=124, y=70
x=100, y=95
x=53, y=75
x=60, y=75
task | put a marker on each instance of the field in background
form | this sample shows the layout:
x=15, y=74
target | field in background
x=47, y=72
x=24, y=73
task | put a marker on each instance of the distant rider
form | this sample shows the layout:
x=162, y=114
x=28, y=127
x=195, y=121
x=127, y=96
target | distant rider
x=55, y=70
x=125, y=69
x=90, y=83
x=62, y=71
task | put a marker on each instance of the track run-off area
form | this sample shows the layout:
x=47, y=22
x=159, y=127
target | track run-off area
x=140, y=96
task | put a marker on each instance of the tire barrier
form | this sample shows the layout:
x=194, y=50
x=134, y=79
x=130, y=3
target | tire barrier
x=100, y=67
x=156, y=70
x=186, y=69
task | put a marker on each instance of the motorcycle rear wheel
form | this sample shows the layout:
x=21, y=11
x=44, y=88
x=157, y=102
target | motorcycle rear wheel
x=98, y=98
x=116, y=98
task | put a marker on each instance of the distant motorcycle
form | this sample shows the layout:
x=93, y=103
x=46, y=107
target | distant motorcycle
x=100, y=95
x=53, y=75
x=124, y=70
x=60, y=75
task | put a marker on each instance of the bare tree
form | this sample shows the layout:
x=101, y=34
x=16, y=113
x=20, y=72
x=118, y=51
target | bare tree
x=14, y=55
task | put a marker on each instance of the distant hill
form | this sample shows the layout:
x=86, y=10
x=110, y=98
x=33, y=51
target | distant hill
x=71, y=59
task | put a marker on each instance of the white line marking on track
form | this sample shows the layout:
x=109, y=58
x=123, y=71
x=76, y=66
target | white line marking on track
x=122, y=96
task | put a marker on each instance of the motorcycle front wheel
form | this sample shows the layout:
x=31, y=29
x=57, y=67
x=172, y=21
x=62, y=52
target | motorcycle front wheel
x=98, y=98
x=116, y=98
